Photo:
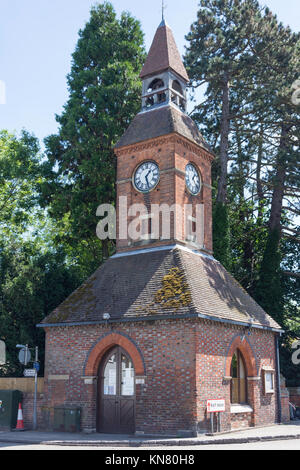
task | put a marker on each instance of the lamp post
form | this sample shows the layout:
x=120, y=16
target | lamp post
x=35, y=389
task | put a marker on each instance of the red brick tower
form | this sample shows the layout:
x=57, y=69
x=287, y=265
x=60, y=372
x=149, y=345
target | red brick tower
x=164, y=145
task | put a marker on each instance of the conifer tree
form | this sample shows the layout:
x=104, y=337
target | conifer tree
x=219, y=56
x=104, y=96
x=278, y=49
x=261, y=131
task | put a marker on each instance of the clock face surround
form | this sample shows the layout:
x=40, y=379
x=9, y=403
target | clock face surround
x=192, y=179
x=146, y=176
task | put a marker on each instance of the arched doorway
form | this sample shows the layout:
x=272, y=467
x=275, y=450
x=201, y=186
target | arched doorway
x=116, y=393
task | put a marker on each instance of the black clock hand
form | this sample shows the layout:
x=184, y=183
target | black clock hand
x=146, y=178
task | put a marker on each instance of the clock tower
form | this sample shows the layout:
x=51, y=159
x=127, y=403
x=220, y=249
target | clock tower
x=161, y=328
x=164, y=164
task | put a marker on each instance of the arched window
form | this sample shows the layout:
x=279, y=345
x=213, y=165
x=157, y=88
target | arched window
x=118, y=374
x=155, y=98
x=182, y=104
x=155, y=85
x=177, y=87
x=239, y=379
x=150, y=101
x=161, y=97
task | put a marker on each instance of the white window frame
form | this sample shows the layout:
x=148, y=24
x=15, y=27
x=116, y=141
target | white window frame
x=269, y=372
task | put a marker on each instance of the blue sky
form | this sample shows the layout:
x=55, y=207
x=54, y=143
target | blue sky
x=37, y=38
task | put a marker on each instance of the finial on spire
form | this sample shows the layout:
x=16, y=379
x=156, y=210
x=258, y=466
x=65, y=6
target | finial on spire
x=163, y=7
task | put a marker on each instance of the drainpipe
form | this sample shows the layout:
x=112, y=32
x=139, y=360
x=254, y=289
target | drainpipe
x=278, y=378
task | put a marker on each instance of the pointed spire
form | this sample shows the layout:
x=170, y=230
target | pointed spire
x=164, y=54
x=163, y=10
x=163, y=23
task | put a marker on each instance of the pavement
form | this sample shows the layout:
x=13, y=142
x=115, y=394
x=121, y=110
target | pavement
x=270, y=433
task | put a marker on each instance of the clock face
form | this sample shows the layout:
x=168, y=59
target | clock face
x=192, y=179
x=146, y=177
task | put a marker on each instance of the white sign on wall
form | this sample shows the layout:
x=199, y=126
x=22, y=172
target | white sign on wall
x=215, y=406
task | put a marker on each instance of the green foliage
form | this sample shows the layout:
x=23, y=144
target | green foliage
x=219, y=39
x=35, y=275
x=19, y=177
x=291, y=310
x=246, y=62
x=221, y=235
x=104, y=88
x=219, y=56
x=48, y=243
x=247, y=242
x=32, y=284
x=292, y=324
x=268, y=291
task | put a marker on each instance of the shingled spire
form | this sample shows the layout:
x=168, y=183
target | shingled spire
x=164, y=95
x=164, y=54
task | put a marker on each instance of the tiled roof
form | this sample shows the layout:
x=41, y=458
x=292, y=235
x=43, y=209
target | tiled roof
x=159, y=122
x=172, y=281
x=164, y=54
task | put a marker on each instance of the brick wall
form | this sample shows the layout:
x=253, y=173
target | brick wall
x=241, y=421
x=185, y=365
x=27, y=408
x=172, y=154
x=294, y=393
x=285, y=401
x=162, y=404
x=213, y=343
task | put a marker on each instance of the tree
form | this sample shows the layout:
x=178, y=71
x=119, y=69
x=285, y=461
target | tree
x=278, y=48
x=104, y=90
x=43, y=259
x=219, y=56
x=35, y=275
x=249, y=63
x=32, y=284
x=19, y=177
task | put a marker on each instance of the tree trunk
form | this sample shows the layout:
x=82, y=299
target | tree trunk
x=105, y=250
x=259, y=187
x=241, y=165
x=225, y=124
x=281, y=173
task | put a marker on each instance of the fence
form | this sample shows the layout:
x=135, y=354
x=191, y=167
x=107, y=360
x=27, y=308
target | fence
x=26, y=386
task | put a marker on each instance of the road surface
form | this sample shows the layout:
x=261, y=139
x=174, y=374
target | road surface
x=272, y=445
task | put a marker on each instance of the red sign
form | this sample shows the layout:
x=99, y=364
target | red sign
x=215, y=406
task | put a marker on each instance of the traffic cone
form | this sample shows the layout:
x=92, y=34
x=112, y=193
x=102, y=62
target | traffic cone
x=20, y=422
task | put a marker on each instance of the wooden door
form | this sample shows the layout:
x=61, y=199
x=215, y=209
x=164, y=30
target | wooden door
x=116, y=402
